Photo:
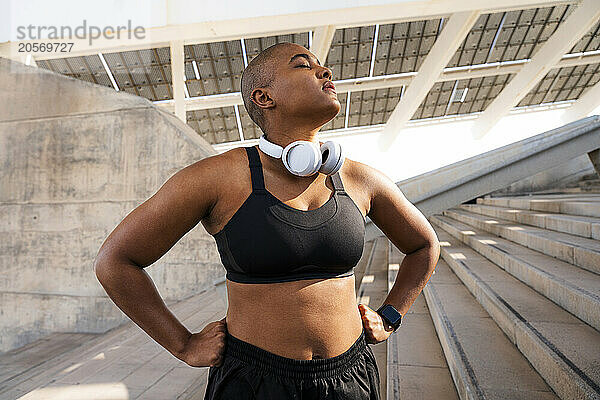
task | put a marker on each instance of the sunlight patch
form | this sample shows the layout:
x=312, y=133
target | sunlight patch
x=367, y=279
x=72, y=368
x=96, y=391
x=458, y=256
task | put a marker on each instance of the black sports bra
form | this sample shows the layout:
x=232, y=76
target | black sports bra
x=267, y=241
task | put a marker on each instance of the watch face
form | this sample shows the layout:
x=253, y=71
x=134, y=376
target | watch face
x=393, y=316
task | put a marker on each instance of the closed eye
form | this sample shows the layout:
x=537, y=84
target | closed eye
x=303, y=65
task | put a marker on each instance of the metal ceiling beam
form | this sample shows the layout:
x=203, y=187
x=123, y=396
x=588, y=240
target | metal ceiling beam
x=453, y=34
x=389, y=81
x=321, y=41
x=563, y=39
x=234, y=29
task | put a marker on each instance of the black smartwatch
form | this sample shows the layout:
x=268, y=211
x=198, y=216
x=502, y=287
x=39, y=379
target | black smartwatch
x=390, y=315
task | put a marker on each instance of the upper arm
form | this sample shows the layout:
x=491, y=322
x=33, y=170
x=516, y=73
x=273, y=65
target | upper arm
x=402, y=222
x=152, y=228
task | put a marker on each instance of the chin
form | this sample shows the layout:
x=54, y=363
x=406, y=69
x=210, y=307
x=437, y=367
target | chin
x=336, y=106
x=331, y=112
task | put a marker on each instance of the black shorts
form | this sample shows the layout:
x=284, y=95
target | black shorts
x=250, y=372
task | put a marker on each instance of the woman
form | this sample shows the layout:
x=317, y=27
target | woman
x=293, y=328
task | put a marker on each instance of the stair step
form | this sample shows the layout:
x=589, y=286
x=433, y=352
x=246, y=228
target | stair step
x=561, y=347
x=573, y=288
x=416, y=366
x=575, y=204
x=483, y=361
x=576, y=250
x=588, y=227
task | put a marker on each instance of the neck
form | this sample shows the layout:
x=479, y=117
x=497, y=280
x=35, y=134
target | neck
x=283, y=140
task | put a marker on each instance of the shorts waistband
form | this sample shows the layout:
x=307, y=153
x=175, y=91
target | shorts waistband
x=293, y=368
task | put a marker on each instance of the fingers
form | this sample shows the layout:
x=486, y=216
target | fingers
x=365, y=308
x=217, y=360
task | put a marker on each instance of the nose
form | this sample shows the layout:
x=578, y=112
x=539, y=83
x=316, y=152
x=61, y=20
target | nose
x=326, y=73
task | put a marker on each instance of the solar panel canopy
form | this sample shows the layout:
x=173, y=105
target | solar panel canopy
x=356, y=52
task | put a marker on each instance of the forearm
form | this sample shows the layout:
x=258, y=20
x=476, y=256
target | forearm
x=133, y=291
x=414, y=272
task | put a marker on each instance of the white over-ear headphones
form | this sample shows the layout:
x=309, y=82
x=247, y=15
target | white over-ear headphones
x=304, y=158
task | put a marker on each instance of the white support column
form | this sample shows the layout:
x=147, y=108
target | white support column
x=24, y=58
x=178, y=78
x=321, y=42
x=30, y=60
x=565, y=37
x=588, y=102
x=451, y=37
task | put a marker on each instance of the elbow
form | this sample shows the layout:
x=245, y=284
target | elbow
x=103, y=269
x=435, y=250
x=111, y=269
x=106, y=267
x=434, y=244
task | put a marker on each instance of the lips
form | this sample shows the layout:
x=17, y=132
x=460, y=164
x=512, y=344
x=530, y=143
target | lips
x=329, y=85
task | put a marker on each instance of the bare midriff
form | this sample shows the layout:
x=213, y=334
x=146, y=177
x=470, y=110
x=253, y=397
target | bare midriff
x=305, y=319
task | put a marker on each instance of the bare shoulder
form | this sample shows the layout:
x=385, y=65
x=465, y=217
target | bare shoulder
x=357, y=178
x=208, y=172
x=229, y=174
x=401, y=221
x=369, y=177
x=209, y=176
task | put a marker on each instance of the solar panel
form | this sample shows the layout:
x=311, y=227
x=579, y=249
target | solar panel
x=563, y=84
x=509, y=36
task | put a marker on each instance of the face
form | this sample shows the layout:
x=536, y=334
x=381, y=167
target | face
x=297, y=90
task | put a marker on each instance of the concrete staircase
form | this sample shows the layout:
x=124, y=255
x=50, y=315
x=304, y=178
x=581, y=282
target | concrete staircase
x=515, y=298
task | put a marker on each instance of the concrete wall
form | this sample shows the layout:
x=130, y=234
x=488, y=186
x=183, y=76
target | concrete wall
x=75, y=159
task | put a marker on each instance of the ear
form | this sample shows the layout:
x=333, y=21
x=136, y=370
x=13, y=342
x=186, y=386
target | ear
x=262, y=98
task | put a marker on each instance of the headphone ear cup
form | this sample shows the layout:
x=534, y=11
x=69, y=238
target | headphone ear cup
x=302, y=158
x=333, y=157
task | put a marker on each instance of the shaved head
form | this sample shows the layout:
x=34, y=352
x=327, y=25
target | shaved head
x=260, y=73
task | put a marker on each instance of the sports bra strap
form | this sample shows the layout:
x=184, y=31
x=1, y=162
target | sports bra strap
x=337, y=182
x=256, y=173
